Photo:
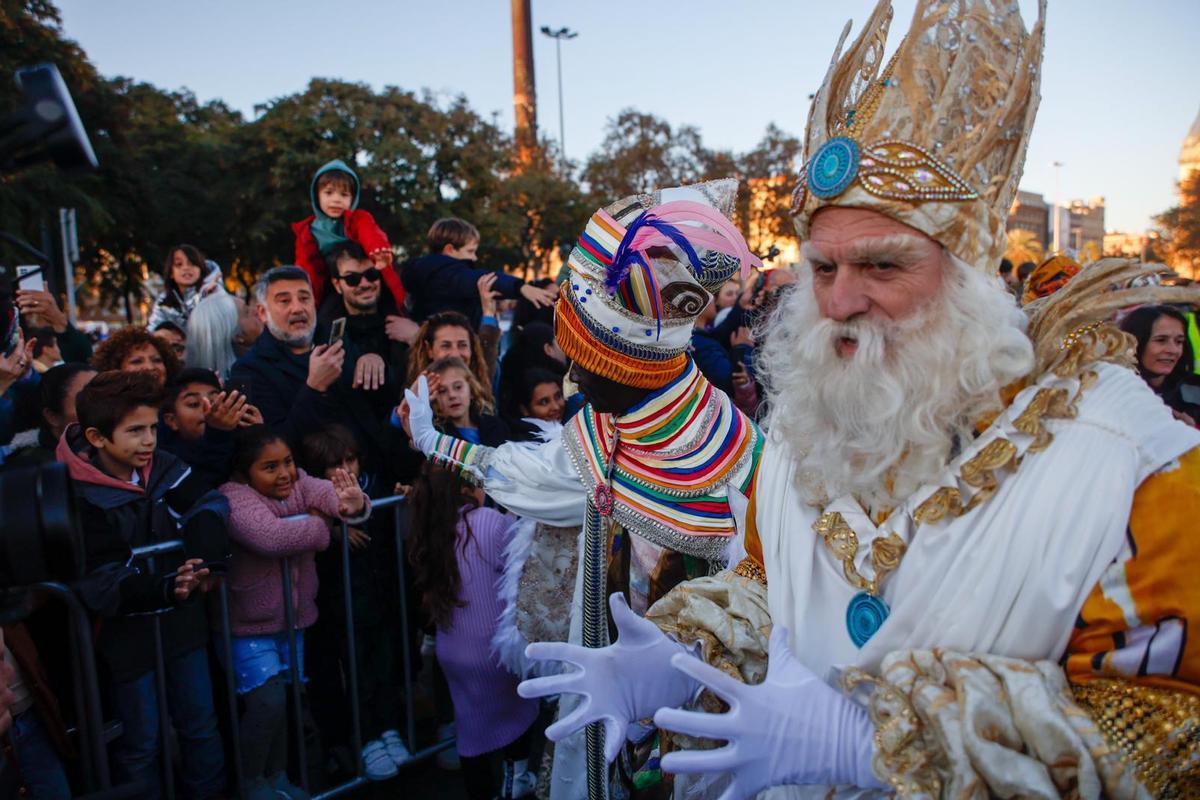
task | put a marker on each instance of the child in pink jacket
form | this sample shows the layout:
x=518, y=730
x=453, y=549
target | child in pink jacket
x=276, y=511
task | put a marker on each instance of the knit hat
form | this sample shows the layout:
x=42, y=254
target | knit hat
x=642, y=271
x=935, y=139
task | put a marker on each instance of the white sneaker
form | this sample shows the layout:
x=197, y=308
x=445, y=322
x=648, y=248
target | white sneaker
x=377, y=763
x=448, y=758
x=395, y=747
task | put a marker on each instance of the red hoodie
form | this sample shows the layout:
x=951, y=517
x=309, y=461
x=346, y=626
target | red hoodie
x=360, y=227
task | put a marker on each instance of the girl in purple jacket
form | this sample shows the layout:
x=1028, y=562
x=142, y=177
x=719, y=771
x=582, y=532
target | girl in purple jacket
x=456, y=548
x=276, y=512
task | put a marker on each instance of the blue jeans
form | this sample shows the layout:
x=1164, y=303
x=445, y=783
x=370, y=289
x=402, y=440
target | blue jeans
x=190, y=700
x=41, y=769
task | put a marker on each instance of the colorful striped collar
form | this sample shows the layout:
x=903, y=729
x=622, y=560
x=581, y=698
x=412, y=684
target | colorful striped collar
x=677, y=452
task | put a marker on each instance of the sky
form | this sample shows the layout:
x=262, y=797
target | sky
x=1120, y=84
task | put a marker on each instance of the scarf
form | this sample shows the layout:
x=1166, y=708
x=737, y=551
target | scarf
x=676, y=453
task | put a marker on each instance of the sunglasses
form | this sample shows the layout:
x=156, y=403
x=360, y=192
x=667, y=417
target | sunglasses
x=354, y=278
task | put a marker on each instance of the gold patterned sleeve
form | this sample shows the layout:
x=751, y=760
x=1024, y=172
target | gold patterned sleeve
x=973, y=726
x=727, y=614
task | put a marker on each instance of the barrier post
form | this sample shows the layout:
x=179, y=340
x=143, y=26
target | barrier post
x=351, y=655
x=289, y=613
x=405, y=635
x=160, y=691
x=87, y=688
x=235, y=723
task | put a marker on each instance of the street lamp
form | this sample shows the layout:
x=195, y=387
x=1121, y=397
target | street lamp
x=1058, y=165
x=558, y=36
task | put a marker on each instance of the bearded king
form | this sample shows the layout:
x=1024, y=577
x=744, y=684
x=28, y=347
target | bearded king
x=971, y=543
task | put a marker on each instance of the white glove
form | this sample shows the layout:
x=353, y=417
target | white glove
x=791, y=729
x=420, y=417
x=622, y=683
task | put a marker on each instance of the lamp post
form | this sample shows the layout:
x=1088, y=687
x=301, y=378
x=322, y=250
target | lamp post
x=1058, y=165
x=558, y=36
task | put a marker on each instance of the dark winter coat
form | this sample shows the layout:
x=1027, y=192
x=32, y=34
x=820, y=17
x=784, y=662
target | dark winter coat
x=167, y=503
x=439, y=282
x=275, y=379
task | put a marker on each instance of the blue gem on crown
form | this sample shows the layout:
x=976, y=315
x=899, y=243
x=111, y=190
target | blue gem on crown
x=833, y=167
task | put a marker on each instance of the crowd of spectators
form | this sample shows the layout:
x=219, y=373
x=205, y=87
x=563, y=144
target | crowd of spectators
x=252, y=428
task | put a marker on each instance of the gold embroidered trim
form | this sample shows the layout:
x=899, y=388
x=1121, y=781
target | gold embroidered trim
x=749, y=568
x=900, y=170
x=1098, y=341
x=946, y=501
x=902, y=757
x=1158, y=731
x=842, y=541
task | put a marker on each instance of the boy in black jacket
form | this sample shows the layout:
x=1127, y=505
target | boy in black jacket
x=447, y=279
x=131, y=494
x=198, y=422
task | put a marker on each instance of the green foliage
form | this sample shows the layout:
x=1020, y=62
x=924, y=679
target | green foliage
x=641, y=152
x=1181, y=227
x=173, y=169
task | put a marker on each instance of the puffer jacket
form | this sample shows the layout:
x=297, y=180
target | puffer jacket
x=264, y=531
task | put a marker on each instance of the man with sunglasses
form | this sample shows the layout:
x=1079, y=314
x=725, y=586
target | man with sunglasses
x=373, y=323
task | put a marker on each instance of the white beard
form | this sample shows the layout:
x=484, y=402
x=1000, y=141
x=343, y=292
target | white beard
x=880, y=423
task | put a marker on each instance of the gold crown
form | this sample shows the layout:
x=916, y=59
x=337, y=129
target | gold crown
x=935, y=138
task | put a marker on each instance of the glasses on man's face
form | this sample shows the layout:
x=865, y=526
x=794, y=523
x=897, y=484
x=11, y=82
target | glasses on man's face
x=180, y=349
x=352, y=279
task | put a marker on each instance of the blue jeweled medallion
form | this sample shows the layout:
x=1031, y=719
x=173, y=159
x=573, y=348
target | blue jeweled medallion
x=864, y=615
x=833, y=167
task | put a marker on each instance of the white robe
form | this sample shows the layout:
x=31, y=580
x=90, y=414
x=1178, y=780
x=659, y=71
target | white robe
x=1007, y=578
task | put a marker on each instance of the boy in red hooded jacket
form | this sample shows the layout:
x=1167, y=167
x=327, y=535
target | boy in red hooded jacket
x=337, y=218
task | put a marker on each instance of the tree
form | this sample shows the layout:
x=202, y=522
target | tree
x=640, y=153
x=1023, y=246
x=418, y=159
x=1181, y=228
x=769, y=173
x=162, y=161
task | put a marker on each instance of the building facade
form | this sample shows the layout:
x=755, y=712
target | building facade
x=1086, y=233
x=1030, y=212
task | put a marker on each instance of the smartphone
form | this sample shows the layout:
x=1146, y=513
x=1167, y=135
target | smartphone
x=337, y=331
x=29, y=278
x=240, y=385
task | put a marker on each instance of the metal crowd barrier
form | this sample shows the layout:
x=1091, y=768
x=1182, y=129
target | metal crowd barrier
x=93, y=754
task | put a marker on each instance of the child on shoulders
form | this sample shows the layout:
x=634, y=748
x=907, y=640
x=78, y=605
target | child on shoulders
x=337, y=218
x=188, y=277
x=447, y=278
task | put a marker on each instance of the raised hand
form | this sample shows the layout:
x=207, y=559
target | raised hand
x=487, y=295
x=251, y=416
x=325, y=365
x=225, y=411
x=622, y=683
x=791, y=729
x=43, y=307
x=419, y=421
x=351, y=499
x=541, y=298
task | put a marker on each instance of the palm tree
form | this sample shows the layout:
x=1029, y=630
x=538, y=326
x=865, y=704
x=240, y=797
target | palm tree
x=1023, y=246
